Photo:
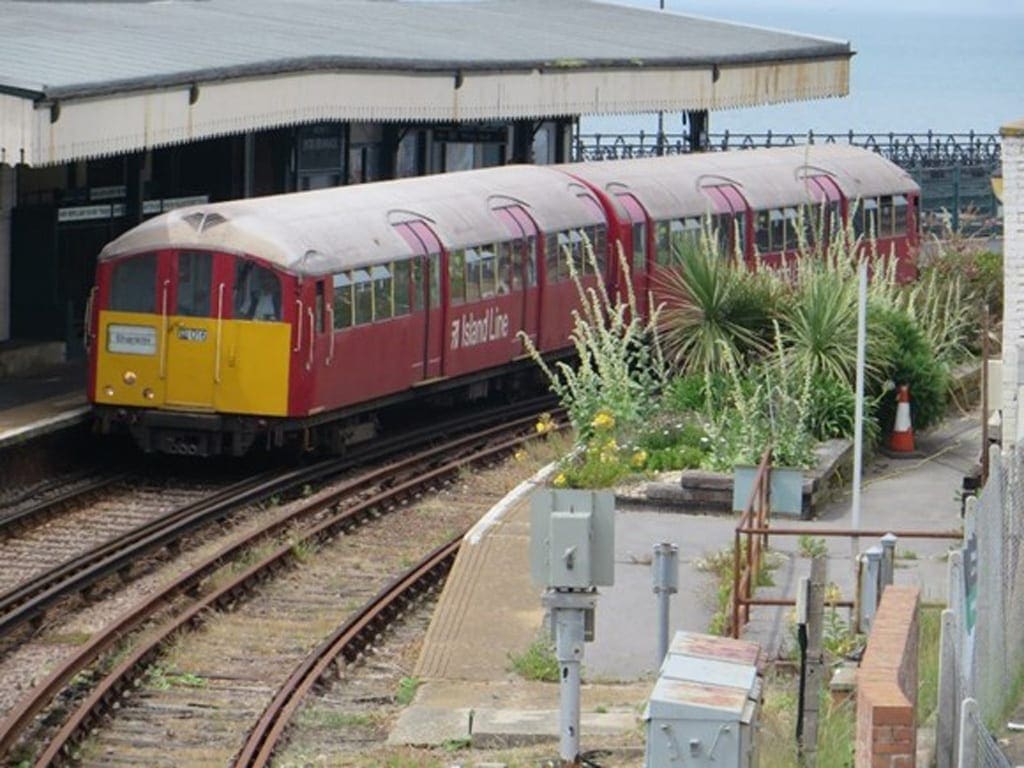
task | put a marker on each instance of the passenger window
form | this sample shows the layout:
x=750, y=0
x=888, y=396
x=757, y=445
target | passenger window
x=457, y=277
x=194, y=284
x=362, y=299
x=899, y=215
x=434, y=264
x=531, y=261
x=763, y=232
x=382, y=285
x=488, y=273
x=565, y=254
x=885, y=216
x=342, y=300
x=639, y=248
x=402, y=271
x=551, y=251
x=599, y=242
x=472, y=275
x=662, y=243
x=507, y=267
x=133, y=284
x=869, y=217
x=257, y=292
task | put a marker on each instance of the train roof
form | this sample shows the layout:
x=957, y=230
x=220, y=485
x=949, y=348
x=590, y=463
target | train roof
x=326, y=231
x=670, y=186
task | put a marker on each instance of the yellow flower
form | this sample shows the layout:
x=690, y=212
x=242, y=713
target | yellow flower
x=545, y=424
x=639, y=459
x=519, y=455
x=560, y=480
x=603, y=420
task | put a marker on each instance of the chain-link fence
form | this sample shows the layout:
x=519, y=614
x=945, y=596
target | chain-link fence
x=982, y=646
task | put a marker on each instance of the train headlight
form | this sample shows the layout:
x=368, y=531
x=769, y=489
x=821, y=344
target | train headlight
x=129, y=377
x=148, y=393
x=108, y=391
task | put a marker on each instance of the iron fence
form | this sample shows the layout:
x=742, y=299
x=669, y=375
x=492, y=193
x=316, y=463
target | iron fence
x=954, y=170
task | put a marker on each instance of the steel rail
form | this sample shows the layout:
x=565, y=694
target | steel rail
x=8, y=521
x=112, y=685
x=347, y=640
x=23, y=714
x=32, y=598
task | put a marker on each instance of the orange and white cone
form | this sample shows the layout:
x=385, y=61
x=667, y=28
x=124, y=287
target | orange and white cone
x=902, y=438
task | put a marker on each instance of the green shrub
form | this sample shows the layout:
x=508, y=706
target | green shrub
x=913, y=364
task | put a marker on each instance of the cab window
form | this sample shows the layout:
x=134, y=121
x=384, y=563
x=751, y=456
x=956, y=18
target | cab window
x=257, y=292
x=133, y=284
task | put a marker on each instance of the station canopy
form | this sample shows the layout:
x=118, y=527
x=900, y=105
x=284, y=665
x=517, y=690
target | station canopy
x=82, y=79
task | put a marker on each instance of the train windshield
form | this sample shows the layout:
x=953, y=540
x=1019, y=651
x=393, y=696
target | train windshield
x=133, y=284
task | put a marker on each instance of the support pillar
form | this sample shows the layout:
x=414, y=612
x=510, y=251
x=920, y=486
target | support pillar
x=8, y=195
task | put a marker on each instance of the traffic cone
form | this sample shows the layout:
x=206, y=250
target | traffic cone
x=902, y=438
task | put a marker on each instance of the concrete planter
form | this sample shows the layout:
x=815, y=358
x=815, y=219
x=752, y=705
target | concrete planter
x=787, y=489
x=698, y=490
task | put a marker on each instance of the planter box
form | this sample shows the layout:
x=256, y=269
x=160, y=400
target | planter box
x=787, y=490
x=695, y=490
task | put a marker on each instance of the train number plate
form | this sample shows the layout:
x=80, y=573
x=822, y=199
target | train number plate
x=192, y=334
x=131, y=339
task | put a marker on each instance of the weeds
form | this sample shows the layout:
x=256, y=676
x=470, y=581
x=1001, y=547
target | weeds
x=537, y=662
x=407, y=688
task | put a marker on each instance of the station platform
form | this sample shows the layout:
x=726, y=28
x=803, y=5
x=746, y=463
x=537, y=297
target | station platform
x=489, y=610
x=39, y=393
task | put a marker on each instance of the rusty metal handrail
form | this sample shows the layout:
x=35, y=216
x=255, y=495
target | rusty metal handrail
x=753, y=524
x=743, y=576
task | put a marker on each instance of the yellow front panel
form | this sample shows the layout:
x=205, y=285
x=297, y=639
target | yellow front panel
x=128, y=361
x=191, y=363
x=188, y=363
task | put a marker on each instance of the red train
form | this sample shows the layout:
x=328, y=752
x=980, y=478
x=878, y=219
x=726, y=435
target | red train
x=293, y=319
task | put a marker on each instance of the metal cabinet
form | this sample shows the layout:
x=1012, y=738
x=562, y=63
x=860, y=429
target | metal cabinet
x=704, y=706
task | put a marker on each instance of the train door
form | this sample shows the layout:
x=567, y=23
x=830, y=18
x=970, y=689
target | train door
x=730, y=213
x=636, y=256
x=319, y=325
x=524, y=269
x=193, y=303
x=426, y=279
x=826, y=194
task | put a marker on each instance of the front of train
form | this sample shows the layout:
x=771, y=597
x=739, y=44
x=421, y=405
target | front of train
x=190, y=343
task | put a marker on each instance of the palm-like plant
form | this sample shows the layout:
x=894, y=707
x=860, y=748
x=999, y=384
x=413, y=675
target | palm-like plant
x=820, y=323
x=715, y=313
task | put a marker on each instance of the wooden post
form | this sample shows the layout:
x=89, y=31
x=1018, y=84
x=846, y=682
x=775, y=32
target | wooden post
x=814, y=678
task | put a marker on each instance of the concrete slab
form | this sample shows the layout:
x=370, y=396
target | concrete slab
x=424, y=726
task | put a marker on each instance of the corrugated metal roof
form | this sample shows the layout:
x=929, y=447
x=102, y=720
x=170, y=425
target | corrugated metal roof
x=61, y=49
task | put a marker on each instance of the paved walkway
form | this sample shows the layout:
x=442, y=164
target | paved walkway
x=489, y=610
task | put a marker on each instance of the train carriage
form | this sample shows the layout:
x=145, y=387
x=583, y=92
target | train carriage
x=293, y=316
x=293, y=319
x=754, y=201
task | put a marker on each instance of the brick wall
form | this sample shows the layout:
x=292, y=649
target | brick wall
x=1013, y=274
x=887, y=684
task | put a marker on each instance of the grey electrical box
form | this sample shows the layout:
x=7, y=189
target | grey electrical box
x=704, y=706
x=572, y=538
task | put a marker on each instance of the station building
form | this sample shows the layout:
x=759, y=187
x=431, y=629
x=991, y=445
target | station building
x=112, y=112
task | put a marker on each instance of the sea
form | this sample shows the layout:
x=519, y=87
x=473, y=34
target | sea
x=920, y=65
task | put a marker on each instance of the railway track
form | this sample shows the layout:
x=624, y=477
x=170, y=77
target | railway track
x=363, y=498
